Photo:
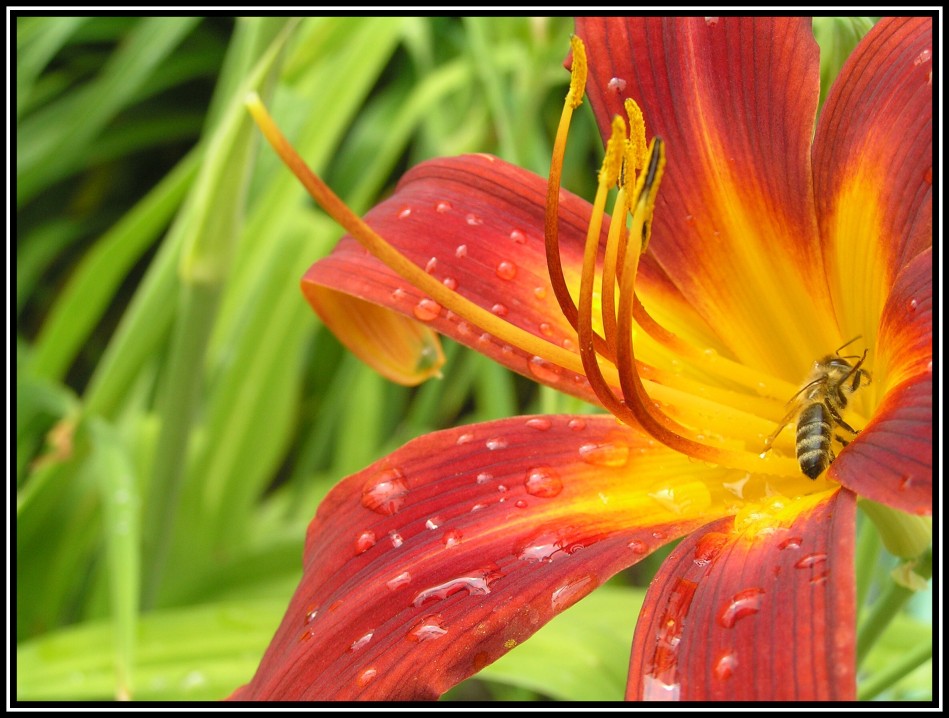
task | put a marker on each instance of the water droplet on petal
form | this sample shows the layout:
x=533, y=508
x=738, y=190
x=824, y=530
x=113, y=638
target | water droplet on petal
x=473, y=219
x=464, y=438
x=638, y=547
x=518, y=236
x=461, y=251
x=577, y=424
x=923, y=57
x=725, y=666
x=711, y=21
x=742, y=604
x=405, y=212
x=616, y=84
x=431, y=265
x=543, y=482
x=496, y=443
x=385, y=493
x=396, y=538
x=433, y=523
x=546, y=329
x=403, y=579
x=546, y=547
x=428, y=628
x=476, y=584
x=570, y=593
x=708, y=547
x=443, y=206
x=793, y=542
x=605, y=454
x=541, y=292
x=365, y=541
x=366, y=677
x=520, y=504
x=360, y=642
x=484, y=477
x=506, y=270
x=541, y=423
x=399, y=294
x=543, y=369
x=452, y=538
x=427, y=310
x=811, y=560
x=311, y=615
x=499, y=310
x=913, y=304
x=657, y=690
x=450, y=282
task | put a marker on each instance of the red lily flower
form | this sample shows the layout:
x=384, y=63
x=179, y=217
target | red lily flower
x=770, y=245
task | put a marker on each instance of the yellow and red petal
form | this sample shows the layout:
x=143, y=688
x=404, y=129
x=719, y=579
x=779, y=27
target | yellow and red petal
x=436, y=560
x=873, y=166
x=891, y=460
x=760, y=609
x=734, y=99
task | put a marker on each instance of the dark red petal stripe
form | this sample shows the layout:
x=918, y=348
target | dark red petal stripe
x=877, y=127
x=891, y=461
x=433, y=562
x=762, y=614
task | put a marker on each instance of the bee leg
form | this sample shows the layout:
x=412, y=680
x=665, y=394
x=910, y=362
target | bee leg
x=839, y=419
x=774, y=435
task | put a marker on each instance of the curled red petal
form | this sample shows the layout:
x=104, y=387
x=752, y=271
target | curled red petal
x=433, y=562
x=757, y=612
x=891, y=460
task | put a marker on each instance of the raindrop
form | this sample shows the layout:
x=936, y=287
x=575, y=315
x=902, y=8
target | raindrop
x=541, y=423
x=431, y=265
x=725, y=666
x=311, y=615
x=520, y=504
x=484, y=477
x=403, y=579
x=443, y=206
x=542, y=482
x=570, y=593
x=541, y=292
x=473, y=219
x=570, y=346
x=605, y=454
x=742, y=604
x=405, y=212
x=737, y=487
x=923, y=57
x=546, y=548
x=427, y=310
x=464, y=439
x=452, y=538
x=502, y=489
x=385, y=494
x=306, y=635
x=518, y=236
x=496, y=443
x=708, y=547
x=396, y=538
x=655, y=689
x=433, y=523
x=543, y=369
x=499, y=310
x=577, y=424
x=450, y=282
x=475, y=585
x=506, y=270
x=360, y=642
x=366, y=677
x=616, y=84
x=790, y=542
x=811, y=560
x=478, y=507
x=638, y=547
x=913, y=304
x=427, y=629
x=365, y=541
x=546, y=329
x=399, y=294
x=711, y=21
x=461, y=251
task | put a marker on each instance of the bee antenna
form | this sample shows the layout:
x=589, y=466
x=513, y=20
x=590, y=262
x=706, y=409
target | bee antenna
x=847, y=343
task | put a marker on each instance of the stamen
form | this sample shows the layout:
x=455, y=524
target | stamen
x=578, y=81
x=395, y=260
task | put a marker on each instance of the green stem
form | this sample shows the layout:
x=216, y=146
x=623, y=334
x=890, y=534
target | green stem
x=896, y=671
x=868, y=553
x=888, y=606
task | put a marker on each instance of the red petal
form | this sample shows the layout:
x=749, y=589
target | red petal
x=432, y=563
x=765, y=612
x=734, y=99
x=891, y=459
x=873, y=155
x=476, y=223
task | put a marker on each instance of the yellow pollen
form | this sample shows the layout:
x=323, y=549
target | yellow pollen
x=578, y=73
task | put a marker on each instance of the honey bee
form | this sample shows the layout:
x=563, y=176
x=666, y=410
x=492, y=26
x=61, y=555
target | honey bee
x=817, y=407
